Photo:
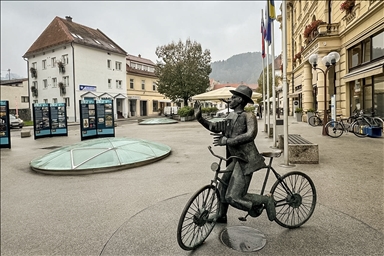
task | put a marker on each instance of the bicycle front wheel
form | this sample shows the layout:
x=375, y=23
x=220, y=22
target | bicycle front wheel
x=198, y=218
x=295, y=199
x=334, y=129
x=359, y=128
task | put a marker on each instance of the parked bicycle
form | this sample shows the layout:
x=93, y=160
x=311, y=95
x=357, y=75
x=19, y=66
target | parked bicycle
x=294, y=194
x=315, y=120
x=359, y=126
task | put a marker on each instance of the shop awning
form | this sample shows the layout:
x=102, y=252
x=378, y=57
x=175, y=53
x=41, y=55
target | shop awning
x=365, y=71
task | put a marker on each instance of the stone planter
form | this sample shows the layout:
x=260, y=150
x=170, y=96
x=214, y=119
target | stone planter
x=299, y=117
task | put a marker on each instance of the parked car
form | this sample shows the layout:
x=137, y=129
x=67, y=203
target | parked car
x=15, y=122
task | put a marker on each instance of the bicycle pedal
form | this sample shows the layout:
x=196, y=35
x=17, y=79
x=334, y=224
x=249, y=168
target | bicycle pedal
x=242, y=219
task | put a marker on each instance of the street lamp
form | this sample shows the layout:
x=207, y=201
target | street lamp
x=328, y=61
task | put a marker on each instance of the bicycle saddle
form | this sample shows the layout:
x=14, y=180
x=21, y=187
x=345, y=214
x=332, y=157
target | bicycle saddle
x=271, y=154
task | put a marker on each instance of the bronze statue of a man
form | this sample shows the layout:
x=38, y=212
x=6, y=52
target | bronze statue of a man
x=238, y=132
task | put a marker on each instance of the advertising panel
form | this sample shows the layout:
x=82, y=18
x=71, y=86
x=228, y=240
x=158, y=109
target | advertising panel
x=5, y=129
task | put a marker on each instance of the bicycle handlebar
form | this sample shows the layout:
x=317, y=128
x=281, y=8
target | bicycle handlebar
x=225, y=159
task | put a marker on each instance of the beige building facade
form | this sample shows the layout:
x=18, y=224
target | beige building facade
x=354, y=29
x=143, y=97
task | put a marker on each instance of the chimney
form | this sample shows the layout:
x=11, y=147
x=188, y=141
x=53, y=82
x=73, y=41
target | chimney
x=139, y=55
x=68, y=18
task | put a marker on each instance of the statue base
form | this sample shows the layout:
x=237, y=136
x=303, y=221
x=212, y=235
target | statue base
x=243, y=239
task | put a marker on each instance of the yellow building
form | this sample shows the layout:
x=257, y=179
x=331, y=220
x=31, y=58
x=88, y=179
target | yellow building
x=354, y=29
x=143, y=97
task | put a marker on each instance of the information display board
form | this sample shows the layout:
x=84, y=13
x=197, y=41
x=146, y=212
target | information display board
x=5, y=129
x=105, y=120
x=96, y=119
x=58, y=115
x=88, y=119
x=49, y=119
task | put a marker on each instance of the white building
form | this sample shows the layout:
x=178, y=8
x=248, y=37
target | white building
x=70, y=62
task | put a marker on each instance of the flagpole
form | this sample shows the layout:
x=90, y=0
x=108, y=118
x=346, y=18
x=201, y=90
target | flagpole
x=273, y=84
x=268, y=96
x=285, y=86
x=262, y=58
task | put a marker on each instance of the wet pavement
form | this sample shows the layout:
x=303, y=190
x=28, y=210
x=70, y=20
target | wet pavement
x=136, y=211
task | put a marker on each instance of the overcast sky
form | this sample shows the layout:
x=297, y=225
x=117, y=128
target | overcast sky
x=226, y=28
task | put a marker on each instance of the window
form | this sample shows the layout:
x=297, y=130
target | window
x=366, y=50
x=378, y=45
x=34, y=65
x=131, y=83
x=79, y=36
x=109, y=64
x=118, y=65
x=45, y=83
x=45, y=100
x=109, y=83
x=34, y=84
x=133, y=65
x=145, y=68
x=354, y=56
x=35, y=101
x=96, y=41
x=112, y=45
x=54, y=100
x=142, y=84
x=54, y=82
x=66, y=100
x=24, y=99
x=44, y=64
x=65, y=59
x=53, y=62
x=66, y=81
x=138, y=66
x=154, y=86
x=118, y=84
x=155, y=105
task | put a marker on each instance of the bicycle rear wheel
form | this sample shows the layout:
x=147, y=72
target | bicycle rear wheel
x=314, y=121
x=359, y=128
x=295, y=199
x=334, y=129
x=198, y=218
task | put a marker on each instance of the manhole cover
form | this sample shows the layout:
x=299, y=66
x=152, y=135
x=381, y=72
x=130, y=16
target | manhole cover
x=51, y=147
x=243, y=239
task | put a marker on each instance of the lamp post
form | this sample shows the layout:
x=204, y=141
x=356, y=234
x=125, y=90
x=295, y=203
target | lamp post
x=328, y=61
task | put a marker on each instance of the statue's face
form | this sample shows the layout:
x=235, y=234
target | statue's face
x=235, y=101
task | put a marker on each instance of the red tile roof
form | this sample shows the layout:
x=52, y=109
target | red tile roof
x=140, y=59
x=63, y=31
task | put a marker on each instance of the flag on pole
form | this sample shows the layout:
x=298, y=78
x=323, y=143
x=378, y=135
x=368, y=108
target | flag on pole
x=271, y=9
x=268, y=32
x=262, y=37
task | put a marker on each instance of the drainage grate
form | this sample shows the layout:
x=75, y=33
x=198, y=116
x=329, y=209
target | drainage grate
x=51, y=147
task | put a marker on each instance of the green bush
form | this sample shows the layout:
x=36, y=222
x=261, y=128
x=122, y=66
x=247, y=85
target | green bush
x=310, y=110
x=298, y=110
x=249, y=109
x=185, y=111
x=209, y=110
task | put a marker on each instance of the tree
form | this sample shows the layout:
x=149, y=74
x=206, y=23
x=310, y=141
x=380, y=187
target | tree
x=260, y=82
x=183, y=70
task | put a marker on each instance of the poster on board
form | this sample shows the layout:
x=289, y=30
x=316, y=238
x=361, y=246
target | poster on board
x=59, y=126
x=88, y=119
x=105, y=120
x=41, y=120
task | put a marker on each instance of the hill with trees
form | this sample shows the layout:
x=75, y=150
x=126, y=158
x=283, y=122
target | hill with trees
x=243, y=67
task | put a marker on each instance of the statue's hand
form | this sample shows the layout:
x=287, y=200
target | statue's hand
x=219, y=140
x=197, y=108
